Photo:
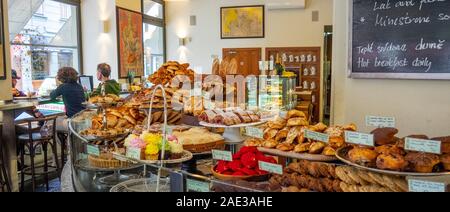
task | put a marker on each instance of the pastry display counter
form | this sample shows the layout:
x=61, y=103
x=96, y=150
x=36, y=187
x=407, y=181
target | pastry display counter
x=139, y=144
x=300, y=174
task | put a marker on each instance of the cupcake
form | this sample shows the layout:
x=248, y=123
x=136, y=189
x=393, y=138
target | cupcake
x=129, y=139
x=151, y=138
x=166, y=152
x=176, y=147
x=138, y=143
x=151, y=152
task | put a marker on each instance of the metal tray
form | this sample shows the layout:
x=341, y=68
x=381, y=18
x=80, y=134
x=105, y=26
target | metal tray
x=341, y=154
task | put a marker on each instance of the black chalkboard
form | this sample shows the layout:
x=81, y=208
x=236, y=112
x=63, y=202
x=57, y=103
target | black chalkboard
x=400, y=39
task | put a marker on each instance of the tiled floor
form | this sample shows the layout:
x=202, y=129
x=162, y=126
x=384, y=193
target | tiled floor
x=54, y=186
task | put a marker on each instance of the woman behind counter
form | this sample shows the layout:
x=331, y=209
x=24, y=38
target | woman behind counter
x=111, y=85
x=72, y=94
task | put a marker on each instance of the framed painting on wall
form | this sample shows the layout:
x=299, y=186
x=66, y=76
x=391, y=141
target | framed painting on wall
x=242, y=22
x=2, y=45
x=130, y=43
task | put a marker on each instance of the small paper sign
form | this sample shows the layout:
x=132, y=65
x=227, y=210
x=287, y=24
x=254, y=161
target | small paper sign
x=222, y=155
x=254, y=132
x=426, y=186
x=196, y=92
x=197, y=186
x=359, y=138
x=134, y=153
x=378, y=121
x=283, y=114
x=421, y=145
x=169, y=130
x=317, y=136
x=93, y=150
x=271, y=167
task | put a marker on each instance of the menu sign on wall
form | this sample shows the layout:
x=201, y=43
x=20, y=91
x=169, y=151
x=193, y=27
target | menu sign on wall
x=406, y=39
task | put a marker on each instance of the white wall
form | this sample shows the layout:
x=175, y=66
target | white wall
x=420, y=106
x=99, y=47
x=286, y=28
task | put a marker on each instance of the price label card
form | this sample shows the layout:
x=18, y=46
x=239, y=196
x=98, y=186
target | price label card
x=134, y=153
x=283, y=114
x=359, y=138
x=197, y=186
x=426, y=186
x=421, y=145
x=317, y=136
x=222, y=155
x=93, y=150
x=169, y=130
x=378, y=121
x=271, y=167
x=254, y=132
x=197, y=92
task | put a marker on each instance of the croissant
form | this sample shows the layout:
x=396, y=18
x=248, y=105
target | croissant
x=282, y=134
x=270, y=133
x=296, y=114
x=293, y=134
x=297, y=122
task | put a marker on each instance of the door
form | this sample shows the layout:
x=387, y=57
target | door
x=247, y=59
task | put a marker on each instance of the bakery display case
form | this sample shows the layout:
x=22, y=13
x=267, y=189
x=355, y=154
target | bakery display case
x=135, y=145
x=271, y=93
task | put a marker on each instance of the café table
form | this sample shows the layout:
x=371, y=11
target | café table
x=8, y=109
x=11, y=110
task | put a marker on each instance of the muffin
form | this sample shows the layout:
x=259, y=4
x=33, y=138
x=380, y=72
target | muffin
x=445, y=159
x=384, y=136
x=389, y=149
x=422, y=162
x=363, y=156
x=176, y=148
x=393, y=162
x=152, y=152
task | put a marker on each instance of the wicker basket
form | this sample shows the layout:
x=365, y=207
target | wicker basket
x=200, y=148
x=98, y=162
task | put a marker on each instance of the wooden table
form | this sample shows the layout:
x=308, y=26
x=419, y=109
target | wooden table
x=9, y=139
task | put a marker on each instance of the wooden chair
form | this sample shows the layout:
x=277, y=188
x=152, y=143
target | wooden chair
x=32, y=140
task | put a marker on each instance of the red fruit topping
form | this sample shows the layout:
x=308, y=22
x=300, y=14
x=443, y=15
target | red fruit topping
x=249, y=160
x=235, y=165
x=239, y=174
x=249, y=172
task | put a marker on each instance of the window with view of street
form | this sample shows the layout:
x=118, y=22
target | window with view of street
x=44, y=38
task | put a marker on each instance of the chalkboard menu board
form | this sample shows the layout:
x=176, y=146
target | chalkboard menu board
x=404, y=39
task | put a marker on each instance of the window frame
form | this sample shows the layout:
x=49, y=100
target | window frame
x=77, y=4
x=159, y=22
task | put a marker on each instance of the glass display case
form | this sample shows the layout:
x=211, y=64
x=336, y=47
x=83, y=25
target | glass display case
x=271, y=93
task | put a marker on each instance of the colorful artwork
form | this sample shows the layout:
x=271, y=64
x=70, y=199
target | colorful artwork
x=2, y=46
x=242, y=22
x=131, y=57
